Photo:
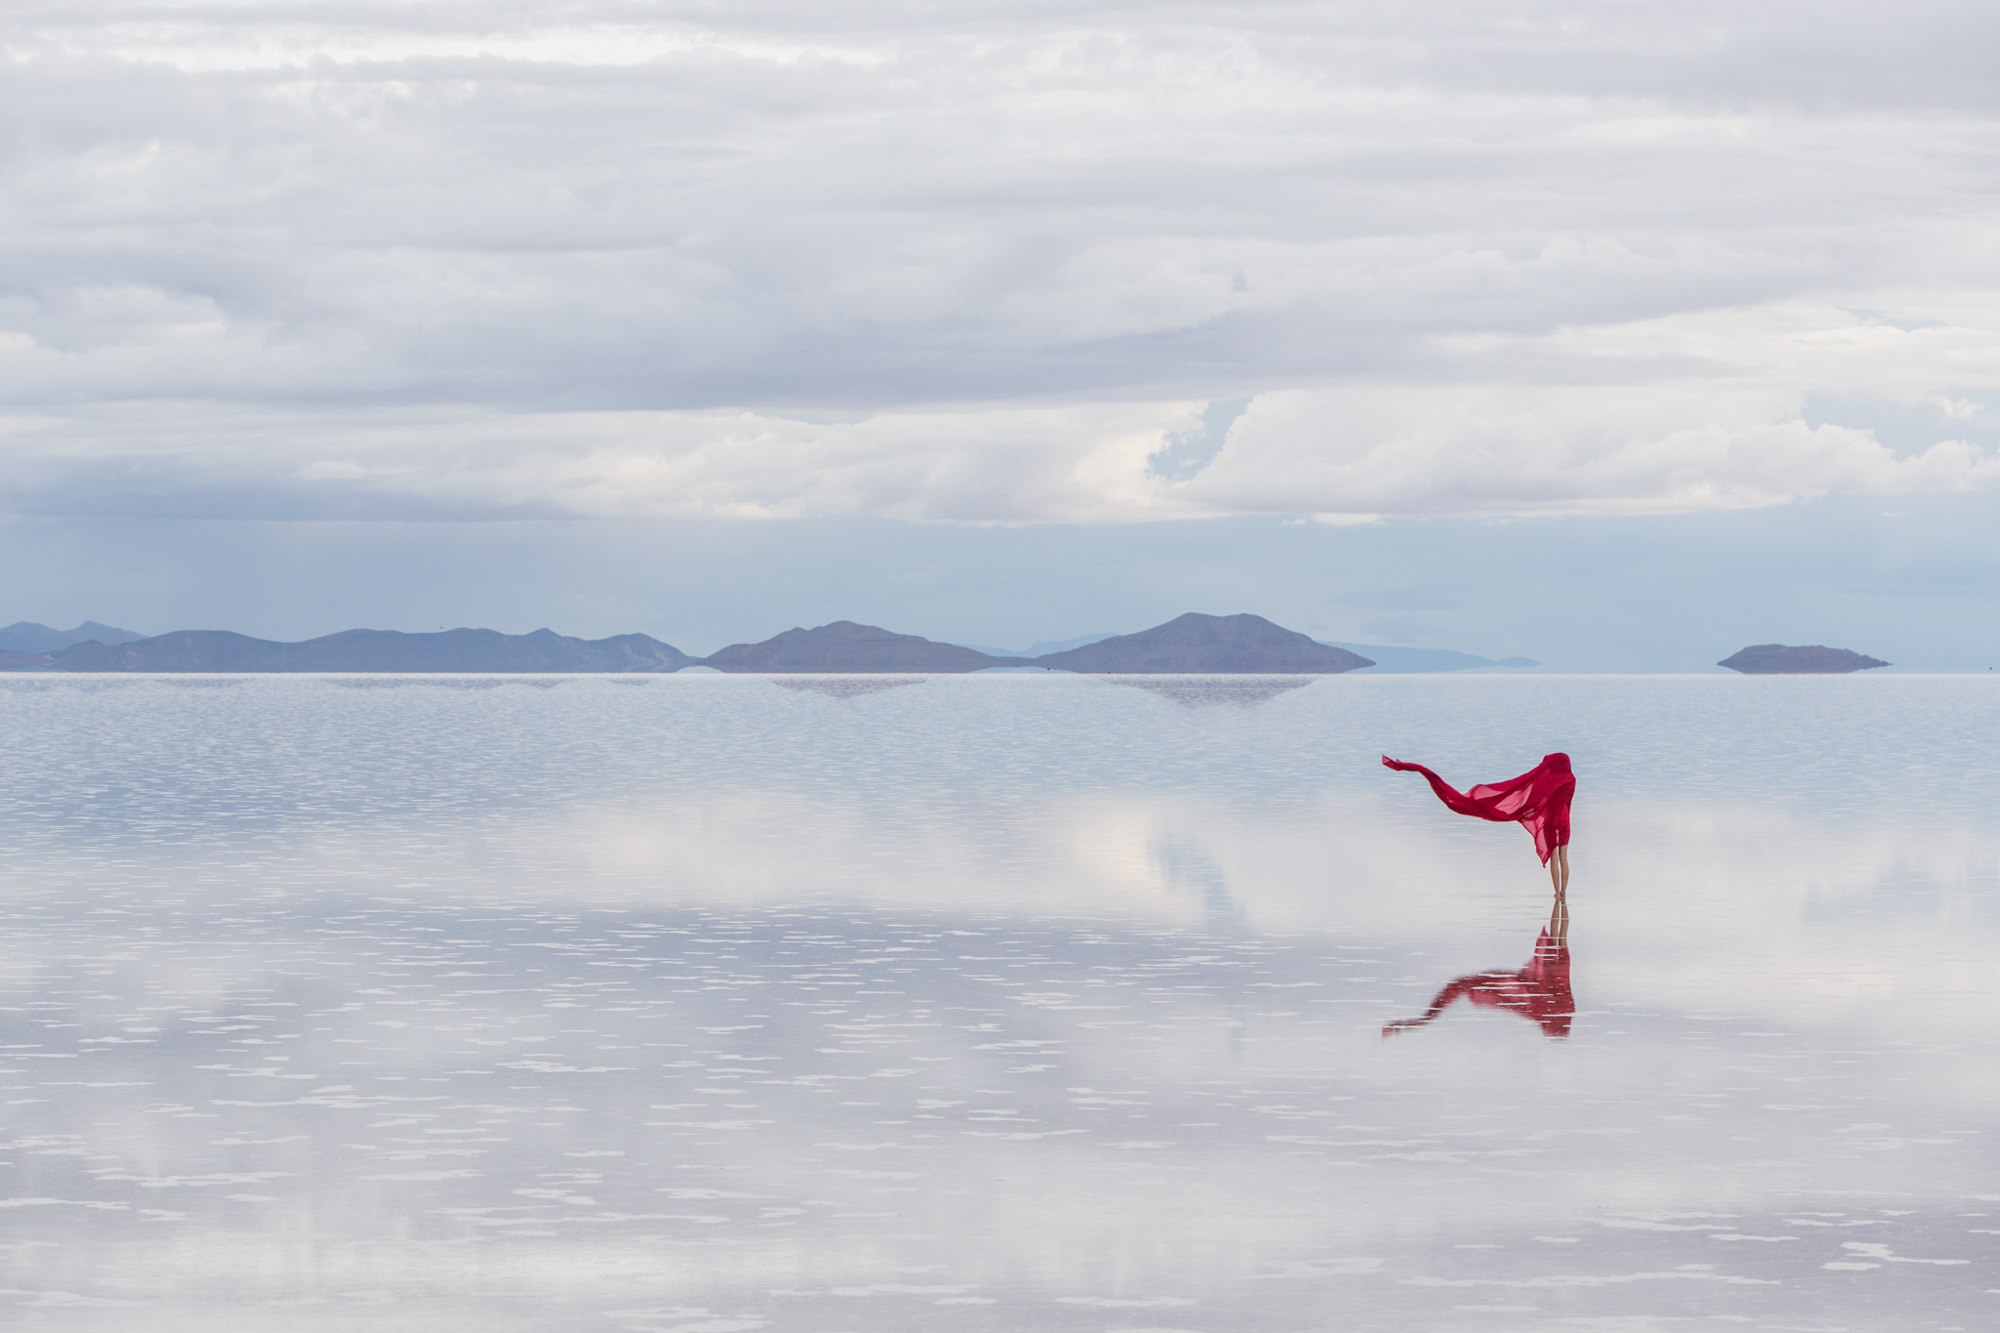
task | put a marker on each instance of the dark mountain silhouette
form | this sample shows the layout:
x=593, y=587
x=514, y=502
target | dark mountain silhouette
x=1196, y=643
x=26, y=661
x=845, y=646
x=1775, y=659
x=475, y=650
x=25, y=636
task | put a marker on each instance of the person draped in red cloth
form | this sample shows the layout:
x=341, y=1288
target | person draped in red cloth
x=1538, y=800
x=1539, y=992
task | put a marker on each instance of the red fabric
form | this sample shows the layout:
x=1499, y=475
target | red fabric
x=1538, y=799
x=1539, y=992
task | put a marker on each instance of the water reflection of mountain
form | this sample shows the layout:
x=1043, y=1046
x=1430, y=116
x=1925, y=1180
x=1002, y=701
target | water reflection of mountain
x=845, y=687
x=432, y=682
x=1199, y=690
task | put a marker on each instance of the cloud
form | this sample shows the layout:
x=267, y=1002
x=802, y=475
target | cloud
x=988, y=464
x=989, y=263
x=1646, y=448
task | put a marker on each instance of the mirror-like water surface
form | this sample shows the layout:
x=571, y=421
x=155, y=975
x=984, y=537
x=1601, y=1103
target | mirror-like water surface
x=994, y=1003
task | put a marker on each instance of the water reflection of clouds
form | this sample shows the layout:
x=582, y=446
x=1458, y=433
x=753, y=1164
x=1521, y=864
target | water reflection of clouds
x=1338, y=860
x=414, y=1050
x=708, y=1104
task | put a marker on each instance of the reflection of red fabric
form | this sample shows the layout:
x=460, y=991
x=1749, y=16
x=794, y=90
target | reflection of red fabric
x=1540, y=992
x=1539, y=799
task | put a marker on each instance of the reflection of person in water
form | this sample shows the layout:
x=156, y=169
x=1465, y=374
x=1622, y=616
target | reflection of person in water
x=1540, y=991
x=1538, y=800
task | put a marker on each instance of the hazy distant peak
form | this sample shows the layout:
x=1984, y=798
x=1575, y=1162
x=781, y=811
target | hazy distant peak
x=25, y=636
x=94, y=630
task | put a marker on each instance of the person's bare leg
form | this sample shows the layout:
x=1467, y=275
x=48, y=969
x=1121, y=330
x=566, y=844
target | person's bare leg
x=1559, y=912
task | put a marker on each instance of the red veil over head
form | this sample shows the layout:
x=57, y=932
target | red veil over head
x=1538, y=799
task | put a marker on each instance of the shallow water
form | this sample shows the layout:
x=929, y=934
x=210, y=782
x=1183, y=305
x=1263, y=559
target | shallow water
x=990, y=1003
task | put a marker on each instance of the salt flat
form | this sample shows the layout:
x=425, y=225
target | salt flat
x=990, y=1003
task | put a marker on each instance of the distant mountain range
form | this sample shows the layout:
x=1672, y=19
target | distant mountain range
x=1193, y=643
x=366, y=650
x=1243, y=644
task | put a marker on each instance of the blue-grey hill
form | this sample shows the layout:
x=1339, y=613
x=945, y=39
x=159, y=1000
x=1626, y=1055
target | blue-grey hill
x=1196, y=643
x=1190, y=644
x=1777, y=659
x=845, y=646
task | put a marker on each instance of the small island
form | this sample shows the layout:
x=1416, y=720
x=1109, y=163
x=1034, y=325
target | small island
x=1776, y=659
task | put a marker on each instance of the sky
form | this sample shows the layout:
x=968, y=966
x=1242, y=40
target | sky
x=1617, y=335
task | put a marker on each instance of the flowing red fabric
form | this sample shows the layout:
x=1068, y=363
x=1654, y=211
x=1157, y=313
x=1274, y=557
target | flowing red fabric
x=1538, y=799
x=1539, y=992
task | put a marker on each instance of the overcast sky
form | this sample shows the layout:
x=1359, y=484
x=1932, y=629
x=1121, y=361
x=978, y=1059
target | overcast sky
x=710, y=319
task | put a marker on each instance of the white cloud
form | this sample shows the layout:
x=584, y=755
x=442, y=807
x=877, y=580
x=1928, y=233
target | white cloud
x=1416, y=449
x=977, y=263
